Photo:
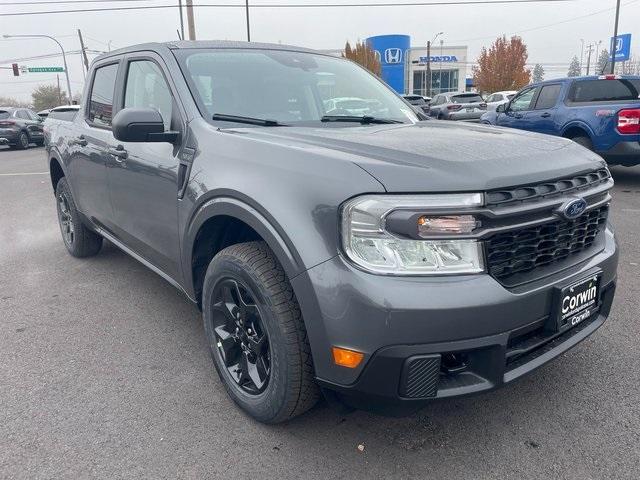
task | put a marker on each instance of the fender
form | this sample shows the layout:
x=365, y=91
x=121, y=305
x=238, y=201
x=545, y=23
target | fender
x=580, y=124
x=267, y=228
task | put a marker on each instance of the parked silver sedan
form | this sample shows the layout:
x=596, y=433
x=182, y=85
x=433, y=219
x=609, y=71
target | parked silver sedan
x=458, y=106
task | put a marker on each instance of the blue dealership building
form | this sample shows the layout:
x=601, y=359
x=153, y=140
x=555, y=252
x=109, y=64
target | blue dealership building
x=404, y=67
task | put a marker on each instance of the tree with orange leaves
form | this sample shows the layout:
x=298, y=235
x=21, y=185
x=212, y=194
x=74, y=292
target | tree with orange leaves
x=363, y=54
x=502, y=66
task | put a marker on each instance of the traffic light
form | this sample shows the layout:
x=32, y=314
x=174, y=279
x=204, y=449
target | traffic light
x=16, y=70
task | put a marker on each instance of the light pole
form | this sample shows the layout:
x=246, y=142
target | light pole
x=64, y=57
x=615, y=38
x=581, y=54
x=440, y=67
x=246, y=6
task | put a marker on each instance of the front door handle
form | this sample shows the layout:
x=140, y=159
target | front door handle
x=81, y=141
x=545, y=115
x=119, y=153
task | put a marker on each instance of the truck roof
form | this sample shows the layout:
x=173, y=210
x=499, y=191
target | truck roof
x=212, y=44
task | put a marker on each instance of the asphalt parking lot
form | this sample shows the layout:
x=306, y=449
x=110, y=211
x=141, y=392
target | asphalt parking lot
x=104, y=373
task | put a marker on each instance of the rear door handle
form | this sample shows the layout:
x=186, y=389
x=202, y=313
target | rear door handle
x=119, y=153
x=545, y=115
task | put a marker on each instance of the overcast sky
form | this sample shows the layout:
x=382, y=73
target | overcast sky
x=552, y=31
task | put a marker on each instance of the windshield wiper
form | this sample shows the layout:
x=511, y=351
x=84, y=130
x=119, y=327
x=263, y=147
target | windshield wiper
x=365, y=119
x=265, y=122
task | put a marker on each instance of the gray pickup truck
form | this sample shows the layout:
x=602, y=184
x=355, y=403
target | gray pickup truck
x=375, y=260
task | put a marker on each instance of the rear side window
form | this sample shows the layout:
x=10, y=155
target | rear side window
x=589, y=91
x=101, y=102
x=66, y=115
x=548, y=97
x=466, y=99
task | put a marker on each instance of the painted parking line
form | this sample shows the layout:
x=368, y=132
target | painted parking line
x=24, y=173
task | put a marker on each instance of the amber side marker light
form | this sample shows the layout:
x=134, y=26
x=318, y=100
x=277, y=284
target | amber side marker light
x=347, y=358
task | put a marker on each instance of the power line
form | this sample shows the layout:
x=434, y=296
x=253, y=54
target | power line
x=293, y=5
x=597, y=12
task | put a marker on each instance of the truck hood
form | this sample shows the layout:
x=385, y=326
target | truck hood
x=442, y=156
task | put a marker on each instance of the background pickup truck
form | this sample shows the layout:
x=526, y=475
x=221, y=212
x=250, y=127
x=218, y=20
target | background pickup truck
x=600, y=113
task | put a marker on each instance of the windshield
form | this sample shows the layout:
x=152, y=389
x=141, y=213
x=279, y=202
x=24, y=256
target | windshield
x=288, y=87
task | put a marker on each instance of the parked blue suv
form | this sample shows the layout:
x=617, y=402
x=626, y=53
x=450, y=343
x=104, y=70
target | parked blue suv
x=600, y=113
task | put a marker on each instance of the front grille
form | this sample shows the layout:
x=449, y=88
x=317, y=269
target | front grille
x=550, y=189
x=523, y=250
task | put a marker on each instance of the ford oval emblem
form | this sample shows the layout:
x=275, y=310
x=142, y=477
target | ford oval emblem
x=573, y=208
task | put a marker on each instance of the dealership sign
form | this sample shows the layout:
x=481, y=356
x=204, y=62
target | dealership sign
x=439, y=59
x=621, y=47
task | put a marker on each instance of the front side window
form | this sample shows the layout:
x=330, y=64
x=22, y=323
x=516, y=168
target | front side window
x=289, y=87
x=147, y=88
x=101, y=102
x=522, y=101
x=548, y=97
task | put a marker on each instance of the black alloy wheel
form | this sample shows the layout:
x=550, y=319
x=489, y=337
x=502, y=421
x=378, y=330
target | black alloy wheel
x=241, y=338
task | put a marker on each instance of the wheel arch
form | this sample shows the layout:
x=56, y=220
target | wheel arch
x=577, y=129
x=224, y=221
x=56, y=171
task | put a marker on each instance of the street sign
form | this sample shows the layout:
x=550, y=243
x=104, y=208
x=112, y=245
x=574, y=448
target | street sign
x=621, y=47
x=44, y=69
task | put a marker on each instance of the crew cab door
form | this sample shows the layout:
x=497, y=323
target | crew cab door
x=143, y=177
x=87, y=145
x=542, y=117
x=516, y=110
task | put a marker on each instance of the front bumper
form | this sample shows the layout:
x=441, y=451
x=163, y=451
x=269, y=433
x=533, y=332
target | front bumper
x=395, y=321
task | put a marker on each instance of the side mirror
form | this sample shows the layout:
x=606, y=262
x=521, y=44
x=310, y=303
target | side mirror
x=141, y=125
x=501, y=108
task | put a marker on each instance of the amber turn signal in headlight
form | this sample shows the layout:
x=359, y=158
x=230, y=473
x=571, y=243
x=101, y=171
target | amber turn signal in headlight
x=346, y=358
x=430, y=225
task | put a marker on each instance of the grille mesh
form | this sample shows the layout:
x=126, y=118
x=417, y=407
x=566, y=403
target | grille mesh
x=547, y=189
x=523, y=250
x=422, y=377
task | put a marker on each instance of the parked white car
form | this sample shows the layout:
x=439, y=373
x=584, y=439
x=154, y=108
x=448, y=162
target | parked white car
x=499, y=98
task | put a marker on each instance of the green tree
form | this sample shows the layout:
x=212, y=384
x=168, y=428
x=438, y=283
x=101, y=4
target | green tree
x=363, y=54
x=48, y=96
x=603, y=61
x=574, y=67
x=538, y=73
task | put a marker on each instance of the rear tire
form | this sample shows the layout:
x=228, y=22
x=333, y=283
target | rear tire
x=256, y=335
x=23, y=141
x=79, y=240
x=584, y=141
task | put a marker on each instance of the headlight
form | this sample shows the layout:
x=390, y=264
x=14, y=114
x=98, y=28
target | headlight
x=368, y=243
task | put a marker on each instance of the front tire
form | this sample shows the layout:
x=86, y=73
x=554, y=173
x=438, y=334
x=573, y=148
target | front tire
x=256, y=335
x=79, y=240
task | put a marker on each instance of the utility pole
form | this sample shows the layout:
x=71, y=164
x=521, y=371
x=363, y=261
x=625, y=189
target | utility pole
x=181, y=20
x=84, y=52
x=615, y=36
x=59, y=94
x=191, y=24
x=248, y=28
x=589, y=50
x=581, y=54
